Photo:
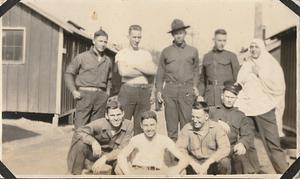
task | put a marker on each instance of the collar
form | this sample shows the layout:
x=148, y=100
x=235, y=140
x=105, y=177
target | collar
x=226, y=108
x=216, y=50
x=108, y=128
x=181, y=45
x=95, y=52
x=229, y=109
x=204, y=130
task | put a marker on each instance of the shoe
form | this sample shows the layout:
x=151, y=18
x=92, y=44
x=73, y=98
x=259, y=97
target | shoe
x=261, y=172
x=86, y=172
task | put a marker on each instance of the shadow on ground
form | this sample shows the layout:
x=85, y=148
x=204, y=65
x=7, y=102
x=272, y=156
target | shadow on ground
x=11, y=133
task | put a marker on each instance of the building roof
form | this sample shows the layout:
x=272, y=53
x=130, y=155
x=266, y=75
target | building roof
x=283, y=32
x=66, y=26
x=69, y=26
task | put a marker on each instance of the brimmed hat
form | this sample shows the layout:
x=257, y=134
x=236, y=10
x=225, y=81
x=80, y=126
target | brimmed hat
x=235, y=88
x=176, y=25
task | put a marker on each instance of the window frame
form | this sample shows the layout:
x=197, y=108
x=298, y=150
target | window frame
x=10, y=62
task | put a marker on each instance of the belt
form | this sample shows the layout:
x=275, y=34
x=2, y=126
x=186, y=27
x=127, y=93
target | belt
x=179, y=83
x=215, y=82
x=138, y=85
x=91, y=89
x=146, y=167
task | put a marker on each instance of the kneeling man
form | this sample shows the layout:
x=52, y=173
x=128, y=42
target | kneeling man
x=147, y=152
x=99, y=142
x=239, y=128
x=205, y=143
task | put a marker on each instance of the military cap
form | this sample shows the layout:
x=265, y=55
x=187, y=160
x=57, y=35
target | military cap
x=233, y=87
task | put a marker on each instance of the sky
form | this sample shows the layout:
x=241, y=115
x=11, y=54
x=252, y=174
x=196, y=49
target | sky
x=155, y=16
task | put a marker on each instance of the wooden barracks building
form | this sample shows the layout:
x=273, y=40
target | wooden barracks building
x=36, y=48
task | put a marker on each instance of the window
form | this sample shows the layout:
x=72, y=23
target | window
x=13, y=45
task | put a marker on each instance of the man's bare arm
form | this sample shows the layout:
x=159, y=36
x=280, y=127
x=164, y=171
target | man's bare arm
x=183, y=161
x=122, y=158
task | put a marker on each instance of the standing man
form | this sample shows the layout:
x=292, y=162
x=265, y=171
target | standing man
x=240, y=129
x=149, y=148
x=136, y=68
x=219, y=65
x=205, y=143
x=99, y=142
x=179, y=70
x=88, y=77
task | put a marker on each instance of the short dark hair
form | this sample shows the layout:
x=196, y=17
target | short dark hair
x=100, y=32
x=201, y=105
x=149, y=114
x=134, y=27
x=220, y=31
x=113, y=105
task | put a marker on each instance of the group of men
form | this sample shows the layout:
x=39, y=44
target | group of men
x=207, y=134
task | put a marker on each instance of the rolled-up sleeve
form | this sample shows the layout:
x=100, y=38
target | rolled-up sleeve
x=222, y=143
x=183, y=141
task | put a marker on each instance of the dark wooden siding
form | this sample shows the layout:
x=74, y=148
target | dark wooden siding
x=73, y=46
x=31, y=87
x=289, y=65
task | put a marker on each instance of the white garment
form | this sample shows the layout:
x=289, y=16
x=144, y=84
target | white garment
x=264, y=92
x=129, y=60
x=151, y=153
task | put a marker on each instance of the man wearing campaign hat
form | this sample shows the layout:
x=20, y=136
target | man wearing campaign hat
x=239, y=128
x=88, y=77
x=179, y=70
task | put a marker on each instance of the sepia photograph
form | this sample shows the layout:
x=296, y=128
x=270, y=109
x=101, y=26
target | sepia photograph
x=149, y=88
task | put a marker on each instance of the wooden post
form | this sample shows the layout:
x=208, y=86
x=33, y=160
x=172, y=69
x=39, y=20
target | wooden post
x=58, y=77
x=55, y=120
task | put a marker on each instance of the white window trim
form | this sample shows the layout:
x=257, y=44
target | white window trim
x=8, y=62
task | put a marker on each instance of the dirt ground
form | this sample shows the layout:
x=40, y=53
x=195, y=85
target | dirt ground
x=38, y=148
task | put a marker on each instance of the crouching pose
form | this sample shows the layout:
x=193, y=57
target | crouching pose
x=205, y=143
x=144, y=155
x=97, y=144
x=239, y=128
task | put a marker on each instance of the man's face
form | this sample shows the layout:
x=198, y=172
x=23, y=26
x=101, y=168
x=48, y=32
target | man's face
x=149, y=127
x=179, y=36
x=228, y=99
x=100, y=43
x=254, y=50
x=220, y=41
x=135, y=37
x=115, y=117
x=199, y=118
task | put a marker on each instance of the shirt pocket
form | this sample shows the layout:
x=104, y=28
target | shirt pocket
x=102, y=138
x=88, y=66
x=224, y=64
x=169, y=60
